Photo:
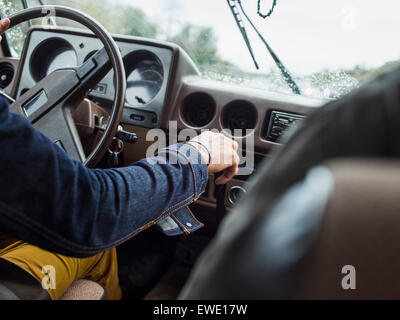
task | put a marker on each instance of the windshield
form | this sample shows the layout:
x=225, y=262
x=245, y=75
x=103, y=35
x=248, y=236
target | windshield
x=329, y=47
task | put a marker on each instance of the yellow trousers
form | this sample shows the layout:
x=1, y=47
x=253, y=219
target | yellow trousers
x=101, y=268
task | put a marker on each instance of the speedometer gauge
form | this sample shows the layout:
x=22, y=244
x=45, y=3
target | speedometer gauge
x=144, y=82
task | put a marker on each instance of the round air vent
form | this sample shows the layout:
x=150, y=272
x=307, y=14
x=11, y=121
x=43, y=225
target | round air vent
x=6, y=74
x=198, y=109
x=239, y=116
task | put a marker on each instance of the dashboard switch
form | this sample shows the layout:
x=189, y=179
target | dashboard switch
x=126, y=136
x=137, y=117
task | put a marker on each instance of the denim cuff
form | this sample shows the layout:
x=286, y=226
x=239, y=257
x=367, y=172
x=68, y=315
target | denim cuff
x=186, y=154
x=182, y=221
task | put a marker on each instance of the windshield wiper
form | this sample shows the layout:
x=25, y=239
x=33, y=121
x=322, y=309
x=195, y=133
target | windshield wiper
x=285, y=73
x=240, y=24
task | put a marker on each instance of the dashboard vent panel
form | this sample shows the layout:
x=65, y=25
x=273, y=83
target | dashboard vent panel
x=239, y=116
x=6, y=74
x=198, y=109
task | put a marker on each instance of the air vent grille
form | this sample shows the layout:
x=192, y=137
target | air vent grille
x=6, y=74
x=198, y=109
x=239, y=116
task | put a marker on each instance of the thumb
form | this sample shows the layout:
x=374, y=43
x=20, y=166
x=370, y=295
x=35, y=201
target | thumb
x=4, y=25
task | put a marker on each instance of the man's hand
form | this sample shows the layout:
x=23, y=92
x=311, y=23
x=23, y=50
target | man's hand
x=4, y=25
x=222, y=154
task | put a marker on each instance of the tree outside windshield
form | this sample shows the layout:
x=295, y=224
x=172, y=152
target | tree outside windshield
x=330, y=47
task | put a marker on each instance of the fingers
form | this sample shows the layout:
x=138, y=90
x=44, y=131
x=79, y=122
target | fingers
x=223, y=154
x=230, y=172
x=4, y=25
x=226, y=176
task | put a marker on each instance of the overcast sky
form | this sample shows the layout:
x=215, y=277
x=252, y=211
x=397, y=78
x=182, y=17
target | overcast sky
x=308, y=35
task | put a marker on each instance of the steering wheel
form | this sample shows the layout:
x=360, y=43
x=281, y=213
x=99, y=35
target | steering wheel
x=49, y=104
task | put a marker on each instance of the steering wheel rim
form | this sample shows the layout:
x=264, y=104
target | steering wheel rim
x=114, y=56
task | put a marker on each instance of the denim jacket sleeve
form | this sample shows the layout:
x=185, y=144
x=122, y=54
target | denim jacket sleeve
x=52, y=201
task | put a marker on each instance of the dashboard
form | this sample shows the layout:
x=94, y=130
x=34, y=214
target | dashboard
x=163, y=85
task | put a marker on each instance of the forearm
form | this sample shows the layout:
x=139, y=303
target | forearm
x=55, y=202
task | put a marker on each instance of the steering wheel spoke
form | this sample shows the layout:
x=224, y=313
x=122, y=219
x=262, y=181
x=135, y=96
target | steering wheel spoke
x=46, y=94
x=93, y=70
x=60, y=128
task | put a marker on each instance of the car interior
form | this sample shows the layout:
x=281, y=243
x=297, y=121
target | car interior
x=111, y=91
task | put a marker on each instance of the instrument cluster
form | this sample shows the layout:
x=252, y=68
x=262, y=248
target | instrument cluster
x=147, y=66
